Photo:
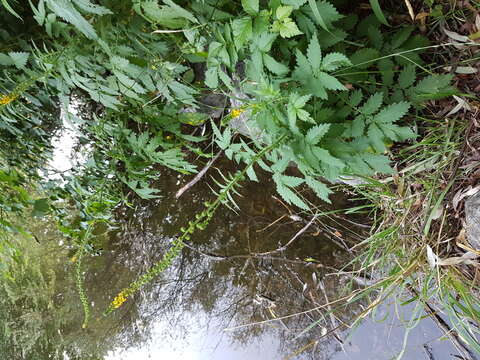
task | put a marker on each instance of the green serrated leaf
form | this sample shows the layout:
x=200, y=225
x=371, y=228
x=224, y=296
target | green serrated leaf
x=296, y=4
x=329, y=82
x=274, y=66
x=404, y=133
x=147, y=193
x=211, y=77
x=303, y=70
x=19, y=59
x=251, y=174
x=434, y=86
x=251, y=7
x=5, y=60
x=356, y=97
x=66, y=10
x=376, y=138
x=358, y=127
x=379, y=163
x=386, y=69
x=291, y=181
x=305, y=116
x=226, y=80
x=287, y=28
x=163, y=15
x=334, y=61
x=407, y=77
x=320, y=189
x=91, y=8
x=290, y=197
x=299, y=101
x=324, y=13
x=401, y=36
x=40, y=13
x=372, y=105
x=316, y=133
x=264, y=41
x=292, y=119
x=325, y=156
x=314, y=53
x=376, y=37
x=283, y=12
x=392, y=113
x=364, y=58
x=242, y=31
x=181, y=12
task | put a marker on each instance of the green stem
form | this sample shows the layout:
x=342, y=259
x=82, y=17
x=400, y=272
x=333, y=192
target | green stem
x=80, y=278
x=200, y=222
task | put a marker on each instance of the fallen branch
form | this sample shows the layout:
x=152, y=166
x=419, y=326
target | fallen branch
x=219, y=257
x=284, y=247
x=197, y=177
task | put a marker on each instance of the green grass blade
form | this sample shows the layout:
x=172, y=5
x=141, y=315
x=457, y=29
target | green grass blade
x=377, y=10
x=318, y=16
x=7, y=6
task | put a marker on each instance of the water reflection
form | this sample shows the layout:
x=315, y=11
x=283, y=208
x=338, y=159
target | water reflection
x=218, y=283
x=204, y=306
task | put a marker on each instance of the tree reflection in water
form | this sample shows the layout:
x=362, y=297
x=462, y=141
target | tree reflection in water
x=217, y=283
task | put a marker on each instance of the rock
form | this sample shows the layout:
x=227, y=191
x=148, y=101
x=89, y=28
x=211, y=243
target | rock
x=243, y=123
x=213, y=104
x=472, y=220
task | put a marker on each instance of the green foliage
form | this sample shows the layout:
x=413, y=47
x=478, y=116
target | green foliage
x=9, y=8
x=137, y=77
x=284, y=24
x=311, y=70
x=313, y=96
x=251, y=7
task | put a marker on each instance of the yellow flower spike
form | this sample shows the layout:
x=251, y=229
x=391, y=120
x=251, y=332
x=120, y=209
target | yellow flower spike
x=236, y=112
x=119, y=300
x=7, y=99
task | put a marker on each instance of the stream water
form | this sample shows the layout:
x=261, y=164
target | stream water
x=221, y=299
x=232, y=294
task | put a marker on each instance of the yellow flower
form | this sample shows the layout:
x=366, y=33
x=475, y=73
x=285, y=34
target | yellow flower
x=7, y=99
x=236, y=112
x=119, y=300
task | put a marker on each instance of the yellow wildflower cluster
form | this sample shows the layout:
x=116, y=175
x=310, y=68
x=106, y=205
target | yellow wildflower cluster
x=7, y=99
x=119, y=300
x=236, y=112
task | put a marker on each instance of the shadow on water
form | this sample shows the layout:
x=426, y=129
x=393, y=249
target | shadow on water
x=220, y=299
